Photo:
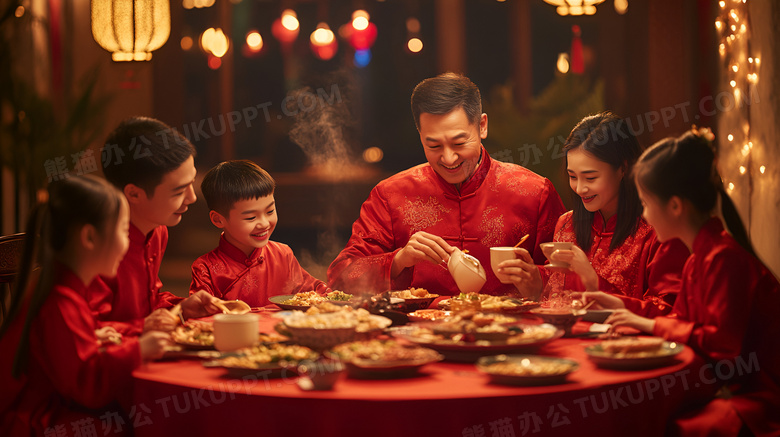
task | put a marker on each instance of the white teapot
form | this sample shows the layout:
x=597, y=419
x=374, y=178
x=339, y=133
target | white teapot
x=468, y=273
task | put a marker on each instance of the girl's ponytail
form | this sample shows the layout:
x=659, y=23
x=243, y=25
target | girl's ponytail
x=734, y=222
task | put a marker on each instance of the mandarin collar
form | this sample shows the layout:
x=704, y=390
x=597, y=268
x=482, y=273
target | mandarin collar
x=711, y=229
x=472, y=183
x=136, y=236
x=598, y=224
x=236, y=254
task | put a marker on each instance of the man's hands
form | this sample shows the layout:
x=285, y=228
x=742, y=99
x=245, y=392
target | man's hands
x=200, y=304
x=421, y=247
x=160, y=320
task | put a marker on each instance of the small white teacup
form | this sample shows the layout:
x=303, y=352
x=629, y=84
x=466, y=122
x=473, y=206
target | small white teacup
x=235, y=331
x=549, y=248
x=499, y=255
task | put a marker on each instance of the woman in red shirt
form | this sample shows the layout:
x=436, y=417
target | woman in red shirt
x=615, y=250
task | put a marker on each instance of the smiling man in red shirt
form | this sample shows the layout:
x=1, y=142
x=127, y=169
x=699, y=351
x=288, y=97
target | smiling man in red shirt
x=155, y=171
x=461, y=198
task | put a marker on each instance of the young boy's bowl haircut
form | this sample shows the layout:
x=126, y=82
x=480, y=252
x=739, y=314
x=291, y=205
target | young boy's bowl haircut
x=233, y=181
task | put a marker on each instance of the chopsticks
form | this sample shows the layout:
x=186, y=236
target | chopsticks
x=176, y=311
x=522, y=240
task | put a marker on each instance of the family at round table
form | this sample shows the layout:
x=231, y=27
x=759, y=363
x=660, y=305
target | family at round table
x=655, y=238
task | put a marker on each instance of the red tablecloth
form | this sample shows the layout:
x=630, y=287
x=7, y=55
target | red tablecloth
x=448, y=399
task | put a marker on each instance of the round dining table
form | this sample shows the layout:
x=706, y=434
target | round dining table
x=183, y=397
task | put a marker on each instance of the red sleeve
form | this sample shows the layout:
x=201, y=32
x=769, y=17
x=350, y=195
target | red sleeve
x=65, y=344
x=550, y=210
x=364, y=264
x=724, y=315
x=100, y=296
x=166, y=299
x=162, y=299
x=127, y=328
x=663, y=278
x=201, y=280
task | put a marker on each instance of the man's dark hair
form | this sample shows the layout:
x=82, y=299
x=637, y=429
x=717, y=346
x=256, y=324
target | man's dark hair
x=441, y=94
x=231, y=181
x=142, y=151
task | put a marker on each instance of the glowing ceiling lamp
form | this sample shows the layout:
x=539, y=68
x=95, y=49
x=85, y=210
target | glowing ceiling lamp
x=575, y=7
x=131, y=29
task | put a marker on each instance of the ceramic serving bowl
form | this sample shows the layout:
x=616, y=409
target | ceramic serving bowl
x=560, y=317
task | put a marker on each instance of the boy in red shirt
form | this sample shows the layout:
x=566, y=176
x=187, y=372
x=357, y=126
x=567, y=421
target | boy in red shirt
x=247, y=265
x=153, y=166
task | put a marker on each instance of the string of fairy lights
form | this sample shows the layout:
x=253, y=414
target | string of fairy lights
x=742, y=68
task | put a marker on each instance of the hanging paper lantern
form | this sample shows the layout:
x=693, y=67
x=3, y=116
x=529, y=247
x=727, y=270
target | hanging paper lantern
x=361, y=33
x=323, y=42
x=286, y=28
x=363, y=39
x=131, y=29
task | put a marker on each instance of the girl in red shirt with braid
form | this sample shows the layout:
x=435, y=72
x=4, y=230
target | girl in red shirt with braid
x=727, y=306
x=57, y=369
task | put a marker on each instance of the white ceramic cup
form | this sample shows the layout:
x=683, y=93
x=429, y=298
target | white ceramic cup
x=549, y=248
x=235, y=331
x=499, y=255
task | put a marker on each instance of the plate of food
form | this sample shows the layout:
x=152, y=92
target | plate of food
x=325, y=330
x=268, y=360
x=414, y=298
x=429, y=315
x=526, y=369
x=488, y=303
x=563, y=318
x=460, y=347
x=470, y=326
x=383, y=359
x=305, y=300
x=630, y=353
x=194, y=335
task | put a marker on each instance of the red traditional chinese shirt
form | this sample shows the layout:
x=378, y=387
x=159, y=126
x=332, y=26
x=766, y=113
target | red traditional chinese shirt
x=497, y=206
x=135, y=290
x=642, y=272
x=227, y=273
x=67, y=372
x=727, y=311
